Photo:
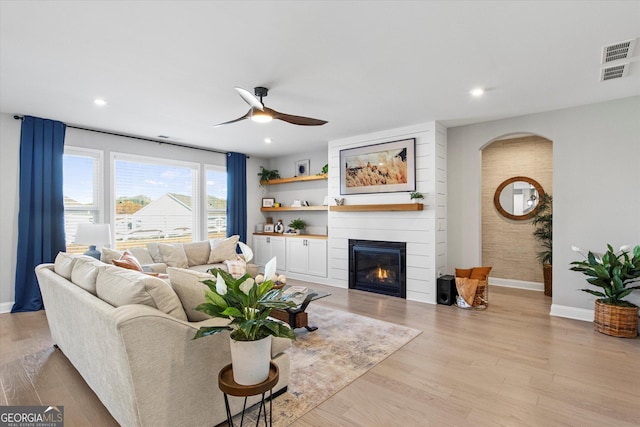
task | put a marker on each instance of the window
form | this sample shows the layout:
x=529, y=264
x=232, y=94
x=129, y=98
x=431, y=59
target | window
x=81, y=190
x=154, y=201
x=216, y=202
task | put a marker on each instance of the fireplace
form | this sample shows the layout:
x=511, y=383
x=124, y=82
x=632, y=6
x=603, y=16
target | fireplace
x=378, y=266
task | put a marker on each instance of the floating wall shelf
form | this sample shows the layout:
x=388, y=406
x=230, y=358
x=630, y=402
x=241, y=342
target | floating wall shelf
x=378, y=208
x=301, y=208
x=294, y=179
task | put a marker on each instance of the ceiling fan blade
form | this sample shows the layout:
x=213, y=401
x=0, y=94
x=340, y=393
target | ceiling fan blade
x=296, y=120
x=246, y=116
x=249, y=98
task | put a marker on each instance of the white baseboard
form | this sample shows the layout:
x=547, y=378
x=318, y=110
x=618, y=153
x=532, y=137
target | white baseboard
x=575, y=313
x=5, y=307
x=520, y=284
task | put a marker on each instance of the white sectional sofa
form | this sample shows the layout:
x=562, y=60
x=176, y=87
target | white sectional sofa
x=130, y=337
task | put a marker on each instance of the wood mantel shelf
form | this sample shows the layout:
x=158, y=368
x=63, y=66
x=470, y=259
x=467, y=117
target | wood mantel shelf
x=378, y=207
x=294, y=179
x=300, y=208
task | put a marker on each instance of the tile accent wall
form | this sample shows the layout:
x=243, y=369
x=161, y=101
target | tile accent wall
x=425, y=232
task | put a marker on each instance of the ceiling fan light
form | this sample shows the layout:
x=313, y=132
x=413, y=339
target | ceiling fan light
x=261, y=117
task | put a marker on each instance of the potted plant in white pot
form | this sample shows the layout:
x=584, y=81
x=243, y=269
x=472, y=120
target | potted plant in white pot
x=297, y=225
x=248, y=305
x=613, y=273
x=416, y=197
x=543, y=233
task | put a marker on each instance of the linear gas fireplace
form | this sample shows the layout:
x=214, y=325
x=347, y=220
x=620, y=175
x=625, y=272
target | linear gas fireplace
x=378, y=266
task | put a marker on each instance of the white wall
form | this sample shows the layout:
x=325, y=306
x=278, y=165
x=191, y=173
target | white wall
x=423, y=231
x=596, y=188
x=9, y=184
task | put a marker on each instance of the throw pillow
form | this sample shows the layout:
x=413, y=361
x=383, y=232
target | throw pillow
x=190, y=289
x=467, y=289
x=85, y=271
x=223, y=249
x=173, y=255
x=119, y=286
x=107, y=255
x=63, y=265
x=237, y=267
x=197, y=252
x=463, y=272
x=480, y=273
x=127, y=260
x=154, y=252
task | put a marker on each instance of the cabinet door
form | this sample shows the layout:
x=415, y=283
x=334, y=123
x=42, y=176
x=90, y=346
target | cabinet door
x=298, y=255
x=262, y=250
x=317, y=253
x=279, y=250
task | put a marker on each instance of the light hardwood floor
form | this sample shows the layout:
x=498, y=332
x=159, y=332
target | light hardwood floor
x=511, y=365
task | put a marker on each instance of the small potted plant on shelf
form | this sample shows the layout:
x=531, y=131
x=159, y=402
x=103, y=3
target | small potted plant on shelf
x=297, y=225
x=267, y=175
x=416, y=197
x=612, y=272
x=543, y=233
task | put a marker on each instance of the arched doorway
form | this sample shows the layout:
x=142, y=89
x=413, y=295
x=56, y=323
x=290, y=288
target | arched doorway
x=508, y=245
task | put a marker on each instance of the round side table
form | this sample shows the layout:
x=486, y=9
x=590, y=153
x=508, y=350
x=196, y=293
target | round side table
x=229, y=387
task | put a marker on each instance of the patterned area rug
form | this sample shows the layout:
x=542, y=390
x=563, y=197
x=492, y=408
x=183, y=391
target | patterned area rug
x=344, y=347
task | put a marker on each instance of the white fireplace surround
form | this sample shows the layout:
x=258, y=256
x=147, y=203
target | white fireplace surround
x=425, y=232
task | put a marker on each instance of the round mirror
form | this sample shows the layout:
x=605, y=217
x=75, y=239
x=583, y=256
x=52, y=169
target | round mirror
x=517, y=198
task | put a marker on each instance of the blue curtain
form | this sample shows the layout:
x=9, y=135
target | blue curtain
x=237, y=195
x=41, y=215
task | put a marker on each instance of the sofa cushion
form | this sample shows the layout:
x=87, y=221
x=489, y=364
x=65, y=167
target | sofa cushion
x=223, y=249
x=190, y=289
x=119, y=287
x=85, y=271
x=206, y=267
x=127, y=260
x=142, y=255
x=154, y=252
x=173, y=255
x=63, y=264
x=107, y=255
x=197, y=252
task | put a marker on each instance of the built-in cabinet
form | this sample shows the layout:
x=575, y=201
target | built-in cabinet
x=267, y=247
x=307, y=256
x=302, y=255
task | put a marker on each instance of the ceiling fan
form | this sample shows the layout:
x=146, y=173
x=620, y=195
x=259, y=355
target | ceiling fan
x=261, y=114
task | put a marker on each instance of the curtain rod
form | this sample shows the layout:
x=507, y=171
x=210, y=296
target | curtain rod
x=17, y=117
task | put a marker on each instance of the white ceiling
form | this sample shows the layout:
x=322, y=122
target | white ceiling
x=169, y=67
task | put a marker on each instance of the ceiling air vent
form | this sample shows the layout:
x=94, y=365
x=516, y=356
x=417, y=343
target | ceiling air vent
x=618, y=51
x=614, y=72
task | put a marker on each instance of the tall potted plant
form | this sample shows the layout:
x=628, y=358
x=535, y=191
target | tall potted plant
x=612, y=272
x=248, y=305
x=543, y=233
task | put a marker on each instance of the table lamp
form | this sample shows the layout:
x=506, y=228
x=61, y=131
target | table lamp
x=93, y=235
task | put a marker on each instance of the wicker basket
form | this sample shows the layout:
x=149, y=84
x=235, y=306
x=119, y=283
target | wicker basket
x=616, y=321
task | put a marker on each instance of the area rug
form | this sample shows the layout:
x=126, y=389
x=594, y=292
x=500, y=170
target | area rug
x=344, y=347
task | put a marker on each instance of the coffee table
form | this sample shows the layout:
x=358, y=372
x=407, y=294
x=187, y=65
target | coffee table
x=296, y=316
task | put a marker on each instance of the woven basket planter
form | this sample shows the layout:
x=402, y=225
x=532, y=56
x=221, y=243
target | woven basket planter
x=616, y=321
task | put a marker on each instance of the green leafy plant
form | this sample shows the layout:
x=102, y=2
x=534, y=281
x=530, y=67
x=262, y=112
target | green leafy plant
x=267, y=175
x=612, y=272
x=297, y=224
x=248, y=305
x=325, y=169
x=416, y=195
x=543, y=223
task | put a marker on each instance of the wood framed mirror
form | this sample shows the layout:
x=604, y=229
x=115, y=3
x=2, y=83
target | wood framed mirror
x=517, y=198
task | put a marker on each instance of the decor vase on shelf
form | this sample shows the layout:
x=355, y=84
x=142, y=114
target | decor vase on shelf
x=297, y=225
x=612, y=272
x=247, y=304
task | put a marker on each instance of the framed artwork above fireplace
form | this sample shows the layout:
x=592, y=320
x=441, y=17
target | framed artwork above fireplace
x=388, y=167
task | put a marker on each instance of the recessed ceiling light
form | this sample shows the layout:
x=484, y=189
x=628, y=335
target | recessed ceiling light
x=100, y=102
x=477, y=92
x=267, y=140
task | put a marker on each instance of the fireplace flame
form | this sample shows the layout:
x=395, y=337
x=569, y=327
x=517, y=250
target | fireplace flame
x=382, y=274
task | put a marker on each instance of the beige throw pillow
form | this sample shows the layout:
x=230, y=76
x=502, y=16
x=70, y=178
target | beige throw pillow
x=173, y=255
x=85, y=271
x=107, y=255
x=197, y=252
x=223, y=249
x=190, y=289
x=63, y=264
x=119, y=286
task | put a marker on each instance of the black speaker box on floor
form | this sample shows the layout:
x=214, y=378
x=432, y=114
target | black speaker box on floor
x=447, y=291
